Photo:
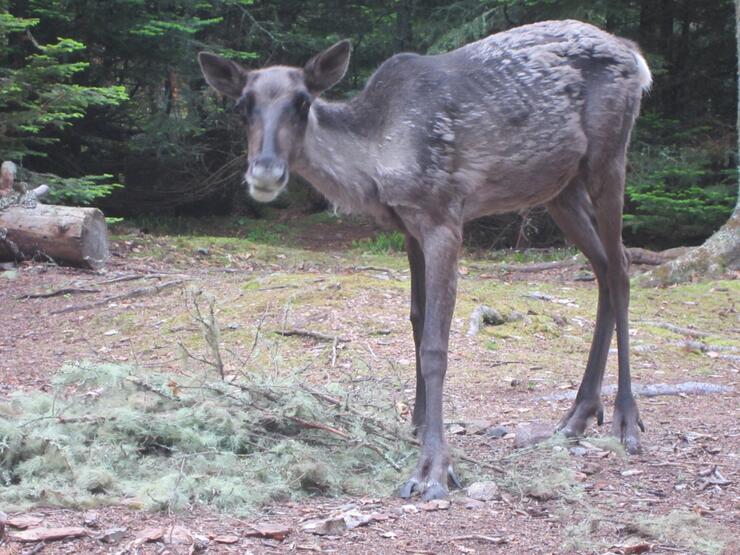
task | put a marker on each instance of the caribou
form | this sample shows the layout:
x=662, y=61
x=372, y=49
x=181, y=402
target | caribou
x=540, y=114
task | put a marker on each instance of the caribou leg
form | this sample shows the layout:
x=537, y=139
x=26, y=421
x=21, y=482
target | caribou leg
x=573, y=212
x=440, y=246
x=418, y=298
x=608, y=200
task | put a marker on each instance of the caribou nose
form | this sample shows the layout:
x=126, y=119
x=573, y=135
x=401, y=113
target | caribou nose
x=269, y=170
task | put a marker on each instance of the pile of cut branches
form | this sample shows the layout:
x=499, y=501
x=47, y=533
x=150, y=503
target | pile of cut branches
x=111, y=434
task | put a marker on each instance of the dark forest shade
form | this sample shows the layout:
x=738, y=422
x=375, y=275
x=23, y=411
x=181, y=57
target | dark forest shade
x=169, y=140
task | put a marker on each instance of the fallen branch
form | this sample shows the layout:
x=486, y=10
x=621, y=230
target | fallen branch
x=134, y=293
x=311, y=334
x=132, y=277
x=540, y=266
x=675, y=329
x=58, y=293
x=654, y=390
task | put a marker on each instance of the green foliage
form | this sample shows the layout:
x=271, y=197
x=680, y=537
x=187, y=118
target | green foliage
x=168, y=442
x=383, y=243
x=678, y=193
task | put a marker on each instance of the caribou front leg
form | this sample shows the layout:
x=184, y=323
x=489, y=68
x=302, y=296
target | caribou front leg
x=440, y=246
x=418, y=300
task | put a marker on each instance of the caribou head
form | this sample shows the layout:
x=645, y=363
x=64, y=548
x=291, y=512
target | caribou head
x=275, y=103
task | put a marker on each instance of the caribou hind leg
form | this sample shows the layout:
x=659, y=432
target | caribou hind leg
x=574, y=214
x=607, y=196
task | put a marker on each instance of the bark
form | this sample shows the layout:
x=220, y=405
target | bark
x=68, y=235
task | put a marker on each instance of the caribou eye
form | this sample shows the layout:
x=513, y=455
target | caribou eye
x=245, y=105
x=302, y=103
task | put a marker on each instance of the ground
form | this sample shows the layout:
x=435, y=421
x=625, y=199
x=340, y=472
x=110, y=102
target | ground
x=321, y=276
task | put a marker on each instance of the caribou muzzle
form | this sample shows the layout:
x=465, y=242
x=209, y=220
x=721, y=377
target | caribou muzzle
x=266, y=178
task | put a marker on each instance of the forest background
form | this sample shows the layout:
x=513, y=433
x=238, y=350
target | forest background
x=104, y=100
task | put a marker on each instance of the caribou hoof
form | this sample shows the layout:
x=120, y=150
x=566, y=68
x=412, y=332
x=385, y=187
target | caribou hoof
x=429, y=487
x=625, y=424
x=574, y=422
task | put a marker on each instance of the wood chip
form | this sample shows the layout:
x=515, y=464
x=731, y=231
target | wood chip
x=21, y=522
x=48, y=534
x=225, y=539
x=271, y=531
x=149, y=535
x=435, y=505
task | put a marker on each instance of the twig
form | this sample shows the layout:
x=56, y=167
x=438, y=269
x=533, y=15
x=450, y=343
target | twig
x=334, y=352
x=539, y=267
x=478, y=537
x=140, y=292
x=311, y=334
x=318, y=426
x=132, y=277
x=373, y=269
x=57, y=293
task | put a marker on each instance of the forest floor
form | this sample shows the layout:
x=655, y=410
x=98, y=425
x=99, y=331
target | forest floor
x=681, y=495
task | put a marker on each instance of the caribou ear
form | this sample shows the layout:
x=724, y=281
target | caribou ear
x=327, y=68
x=225, y=76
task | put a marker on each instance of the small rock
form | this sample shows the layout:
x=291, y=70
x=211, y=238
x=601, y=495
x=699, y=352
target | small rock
x=111, y=535
x=333, y=526
x=477, y=426
x=91, y=520
x=496, y=432
x=584, y=276
x=631, y=472
x=515, y=316
x=590, y=468
x=203, y=251
x=435, y=505
x=410, y=509
x=578, y=451
x=455, y=429
x=483, y=491
x=532, y=433
x=470, y=503
x=354, y=518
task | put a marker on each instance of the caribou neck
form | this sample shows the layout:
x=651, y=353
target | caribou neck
x=337, y=156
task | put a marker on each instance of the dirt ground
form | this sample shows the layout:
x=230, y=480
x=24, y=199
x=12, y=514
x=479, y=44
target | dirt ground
x=680, y=496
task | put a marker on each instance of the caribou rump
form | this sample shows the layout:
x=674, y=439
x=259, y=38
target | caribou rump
x=540, y=114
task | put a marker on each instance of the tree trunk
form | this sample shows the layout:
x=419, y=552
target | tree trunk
x=722, y=250
x=68, y=235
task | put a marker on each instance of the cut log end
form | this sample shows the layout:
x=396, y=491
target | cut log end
x=67, y=235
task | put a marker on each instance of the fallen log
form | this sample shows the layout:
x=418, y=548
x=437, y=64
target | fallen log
x=67, y=235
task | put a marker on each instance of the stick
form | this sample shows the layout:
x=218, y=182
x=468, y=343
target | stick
x=140, y=292
x=57, y=293
x=479, y=537
x=132, y=277
x=318, y=426
x=311, y=334
x=539, y=267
